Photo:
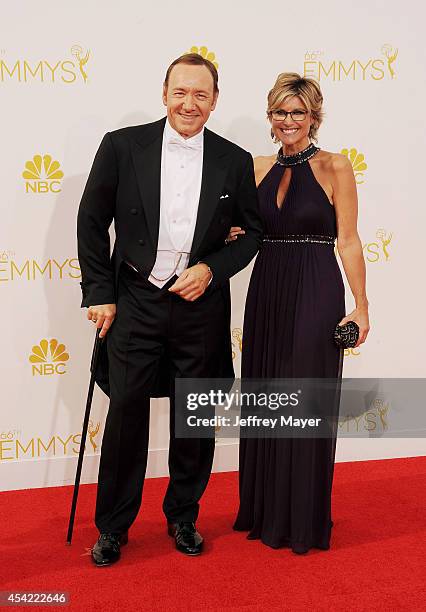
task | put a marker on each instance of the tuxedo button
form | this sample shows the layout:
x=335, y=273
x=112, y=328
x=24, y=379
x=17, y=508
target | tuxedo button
x=141, y=242
x=133, y=211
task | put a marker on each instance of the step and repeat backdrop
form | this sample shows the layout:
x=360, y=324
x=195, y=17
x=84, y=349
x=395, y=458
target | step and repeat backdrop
x=69, y=72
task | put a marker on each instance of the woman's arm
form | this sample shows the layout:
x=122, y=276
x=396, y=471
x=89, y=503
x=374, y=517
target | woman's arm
x=348, y=242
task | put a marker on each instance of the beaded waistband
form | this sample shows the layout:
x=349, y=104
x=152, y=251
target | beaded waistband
x=318, y=238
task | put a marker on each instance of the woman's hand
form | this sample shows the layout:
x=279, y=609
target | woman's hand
x=360, y=317
x=234, y=232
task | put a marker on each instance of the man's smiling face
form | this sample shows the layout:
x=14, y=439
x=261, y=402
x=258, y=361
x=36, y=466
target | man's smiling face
x=190, y=98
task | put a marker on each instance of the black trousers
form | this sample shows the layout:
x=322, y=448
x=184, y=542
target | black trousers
x=152, y=324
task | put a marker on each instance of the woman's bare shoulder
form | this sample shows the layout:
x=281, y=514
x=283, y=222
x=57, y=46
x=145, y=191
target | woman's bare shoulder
x=333, y=162
x=263, y=163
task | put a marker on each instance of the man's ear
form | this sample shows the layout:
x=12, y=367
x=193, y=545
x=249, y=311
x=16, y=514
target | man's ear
x=165, y=95
x=215, y=97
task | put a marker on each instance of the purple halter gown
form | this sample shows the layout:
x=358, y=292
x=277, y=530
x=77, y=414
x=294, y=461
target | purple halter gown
x=294, y=301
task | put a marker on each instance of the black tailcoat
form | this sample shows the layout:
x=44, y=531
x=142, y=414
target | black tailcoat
x=124, y=187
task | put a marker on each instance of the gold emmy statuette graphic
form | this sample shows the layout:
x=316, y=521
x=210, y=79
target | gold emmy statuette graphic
x=93, y=431
x=391, y=55
x=204, y=52
x=382, y=409
x=237, y=334
x=358, y=163
x=77, y=52
x=385, y=240
x=48, y=357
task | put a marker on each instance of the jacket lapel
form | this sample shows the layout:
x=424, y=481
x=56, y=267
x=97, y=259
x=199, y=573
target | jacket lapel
x=213, y=178
x=147, y=160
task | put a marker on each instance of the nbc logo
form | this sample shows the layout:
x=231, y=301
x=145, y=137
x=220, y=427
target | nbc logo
x=42, y=174
x=48, y=357
x=358, y=163
x=351, y=352
x=204, y=52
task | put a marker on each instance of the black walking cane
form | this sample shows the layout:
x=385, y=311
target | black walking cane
x=93, y=366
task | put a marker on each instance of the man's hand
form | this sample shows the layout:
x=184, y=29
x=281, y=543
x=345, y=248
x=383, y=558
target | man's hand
x=103, y=315
x=192, y=282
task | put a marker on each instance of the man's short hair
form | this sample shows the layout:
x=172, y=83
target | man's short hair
x=194, y=59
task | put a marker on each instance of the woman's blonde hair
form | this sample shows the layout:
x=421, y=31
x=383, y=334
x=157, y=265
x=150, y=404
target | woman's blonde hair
x=290, y=84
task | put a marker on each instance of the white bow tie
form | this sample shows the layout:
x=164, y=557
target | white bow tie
x=174, y=143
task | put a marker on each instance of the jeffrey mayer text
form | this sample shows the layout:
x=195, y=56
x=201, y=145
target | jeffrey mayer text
x=251, y=421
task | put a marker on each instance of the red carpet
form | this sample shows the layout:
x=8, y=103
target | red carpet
x=377, y=560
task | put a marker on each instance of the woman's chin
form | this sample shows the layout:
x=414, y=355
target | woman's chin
x=291, y=142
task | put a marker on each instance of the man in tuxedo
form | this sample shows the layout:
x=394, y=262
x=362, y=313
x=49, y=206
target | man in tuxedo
x=173, y=189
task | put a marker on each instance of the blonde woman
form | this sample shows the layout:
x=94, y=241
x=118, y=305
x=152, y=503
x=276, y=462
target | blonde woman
x=307, y=199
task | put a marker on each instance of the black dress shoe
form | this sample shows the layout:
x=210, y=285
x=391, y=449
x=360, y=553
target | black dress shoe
x=187, y=538
x=107, y=549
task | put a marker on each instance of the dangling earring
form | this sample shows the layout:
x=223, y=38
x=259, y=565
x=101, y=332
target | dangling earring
x=272, y=134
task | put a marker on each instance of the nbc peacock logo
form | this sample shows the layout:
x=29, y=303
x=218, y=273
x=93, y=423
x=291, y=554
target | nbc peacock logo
x=48, y=358
x=42, y=174
x=358, y=162
x=204, y=52
x=351, y=352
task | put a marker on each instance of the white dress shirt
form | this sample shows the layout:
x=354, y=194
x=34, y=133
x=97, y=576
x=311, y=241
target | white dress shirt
x=181, y=173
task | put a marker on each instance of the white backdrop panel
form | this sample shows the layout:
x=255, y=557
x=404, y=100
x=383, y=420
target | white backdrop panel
x=70, y=72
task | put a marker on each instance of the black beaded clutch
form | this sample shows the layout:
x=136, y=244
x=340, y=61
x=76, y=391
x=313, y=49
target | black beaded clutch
x=346, y=336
